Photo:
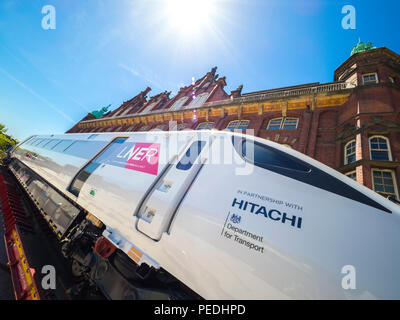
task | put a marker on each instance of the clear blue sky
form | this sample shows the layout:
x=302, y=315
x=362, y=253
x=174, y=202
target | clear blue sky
x=106, y=51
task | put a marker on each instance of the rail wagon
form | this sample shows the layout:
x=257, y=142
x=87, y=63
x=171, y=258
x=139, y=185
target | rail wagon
x=208, y=215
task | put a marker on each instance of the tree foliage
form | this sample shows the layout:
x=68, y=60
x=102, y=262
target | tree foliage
x=6, y=141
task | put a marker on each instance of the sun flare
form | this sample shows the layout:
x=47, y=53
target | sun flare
x=190, y=16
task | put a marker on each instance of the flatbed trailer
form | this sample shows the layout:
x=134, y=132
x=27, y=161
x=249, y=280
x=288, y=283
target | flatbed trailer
x=31, y=246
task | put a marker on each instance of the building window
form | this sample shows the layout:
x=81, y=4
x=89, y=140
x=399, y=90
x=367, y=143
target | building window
x=379, y=148
x=283, y=124
x=149, y=107
x=205, y=126
x=352, y=175
x=125, y=111
x=238, y=125
x=199, y=100
x=160, y=127
x=181, y=126
x=179, y=103
x=206, y=85
x=144, y=128
x=178, y=127
x=350, y=152
x=370, y=78
x=384, y=182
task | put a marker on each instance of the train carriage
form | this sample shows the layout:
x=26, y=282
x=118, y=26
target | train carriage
x=213, y=215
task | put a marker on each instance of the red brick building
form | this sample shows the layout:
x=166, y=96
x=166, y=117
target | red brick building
x=351, y=124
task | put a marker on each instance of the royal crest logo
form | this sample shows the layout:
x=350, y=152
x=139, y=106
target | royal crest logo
x=235, y=218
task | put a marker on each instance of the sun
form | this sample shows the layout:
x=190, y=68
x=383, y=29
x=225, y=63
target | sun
x=190, y=16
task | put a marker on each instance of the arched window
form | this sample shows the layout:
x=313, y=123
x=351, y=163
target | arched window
x=238, y=125
x=350, y=152
x=379, y=148
x=179, y=103
x=199, y=100
x=284, y=123
x=205, y=126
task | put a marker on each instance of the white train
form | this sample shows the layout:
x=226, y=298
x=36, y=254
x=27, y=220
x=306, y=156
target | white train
x=213, y=215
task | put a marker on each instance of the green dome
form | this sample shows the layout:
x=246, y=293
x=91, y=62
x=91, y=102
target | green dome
x=361, y=47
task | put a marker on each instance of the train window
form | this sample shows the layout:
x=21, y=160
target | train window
x=51, y=144
x=85, y=149
x=34, y=141
x=284, y=164
x=37, y=142
x=64, y=144
x=44, y=143
x=112, y=149
x=40, y=143
x=31, y=141
x=27, y=141
x=84, y=174
x=191, y=155
x=267, y=157
x=81, y=178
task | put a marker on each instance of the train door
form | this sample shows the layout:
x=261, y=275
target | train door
x=157, y=210
x=113, y=185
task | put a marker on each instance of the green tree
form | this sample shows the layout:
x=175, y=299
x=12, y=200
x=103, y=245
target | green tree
x=3, y=128
x=6, y=141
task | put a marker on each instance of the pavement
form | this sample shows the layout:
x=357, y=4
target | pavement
x=6, y=289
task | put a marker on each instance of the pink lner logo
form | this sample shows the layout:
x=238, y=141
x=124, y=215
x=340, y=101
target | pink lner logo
x=144, y=158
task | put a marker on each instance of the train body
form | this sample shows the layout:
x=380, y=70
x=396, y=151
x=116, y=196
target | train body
x=213, y=215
